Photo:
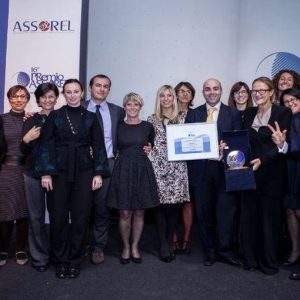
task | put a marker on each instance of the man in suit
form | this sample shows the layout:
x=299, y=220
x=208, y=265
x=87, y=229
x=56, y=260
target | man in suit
x=215, y=208
x=109, y=115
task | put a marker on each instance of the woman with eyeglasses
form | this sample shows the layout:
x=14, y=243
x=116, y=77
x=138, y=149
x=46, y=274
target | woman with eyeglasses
x=239, y=97
x=70, y=172
x=261, y=208
x=284, y=79
x=46, y=95
x=13, y=206
x=291, y=99
x=185, y=93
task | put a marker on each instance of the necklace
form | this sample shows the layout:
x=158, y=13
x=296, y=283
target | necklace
x=73, y=130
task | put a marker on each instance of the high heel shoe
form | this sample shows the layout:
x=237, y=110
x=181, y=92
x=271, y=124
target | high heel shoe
x=291, y=262
x=186, y=247
x=124, y=261
x=176, y=247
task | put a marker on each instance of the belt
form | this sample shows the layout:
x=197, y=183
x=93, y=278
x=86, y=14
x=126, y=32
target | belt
x=14, y=160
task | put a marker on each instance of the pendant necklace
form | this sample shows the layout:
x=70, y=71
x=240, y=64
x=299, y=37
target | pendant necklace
x=75, y=132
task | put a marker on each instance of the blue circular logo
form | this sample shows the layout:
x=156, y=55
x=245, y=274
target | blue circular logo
x=235, y=159
x=23, y=78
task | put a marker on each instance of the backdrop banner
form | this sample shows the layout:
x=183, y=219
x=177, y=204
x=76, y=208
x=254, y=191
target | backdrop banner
x=43, y=44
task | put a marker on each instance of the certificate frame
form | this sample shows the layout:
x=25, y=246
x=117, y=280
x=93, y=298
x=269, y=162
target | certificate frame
x=192, y=141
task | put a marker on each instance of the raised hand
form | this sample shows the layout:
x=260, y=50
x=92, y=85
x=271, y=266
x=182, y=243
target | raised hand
x=278, y=136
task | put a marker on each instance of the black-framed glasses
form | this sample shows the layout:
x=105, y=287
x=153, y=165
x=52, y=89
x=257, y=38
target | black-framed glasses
x=238, y=93
x=15, y=97
x=260, y=92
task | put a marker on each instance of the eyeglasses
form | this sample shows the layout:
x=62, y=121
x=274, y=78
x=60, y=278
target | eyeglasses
x=238, y=93
x=261, y=92
x=15, y=97
x=291, y=100
x=188, y=92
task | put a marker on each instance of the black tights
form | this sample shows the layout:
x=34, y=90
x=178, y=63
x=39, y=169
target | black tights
x=166, y=218
x=6, y=229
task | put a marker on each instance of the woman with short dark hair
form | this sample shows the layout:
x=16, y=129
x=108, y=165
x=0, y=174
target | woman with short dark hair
x=46, y=95
x=13, y=207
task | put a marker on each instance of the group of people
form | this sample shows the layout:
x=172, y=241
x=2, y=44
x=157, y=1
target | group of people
x=90, y=156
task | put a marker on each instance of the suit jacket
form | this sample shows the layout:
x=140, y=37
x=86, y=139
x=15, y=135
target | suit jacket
x=62, y=151
x=117, y=114
x=228, y=119
x=271, y=175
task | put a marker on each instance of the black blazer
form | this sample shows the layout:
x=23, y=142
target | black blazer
x=271, y=175
x=61, y=151
x=117, y=114
x=228, y=119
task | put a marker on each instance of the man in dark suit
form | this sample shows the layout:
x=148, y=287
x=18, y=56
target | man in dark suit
x=215, y=208
x=109, y=115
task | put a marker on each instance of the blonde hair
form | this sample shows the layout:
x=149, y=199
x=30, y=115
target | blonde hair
x=158, y=111
x=133, y=97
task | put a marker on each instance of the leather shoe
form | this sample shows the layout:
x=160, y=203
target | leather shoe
x=249, y=268
x=294, y=276
x=166, y=259
x=74, y=271
x=136, y=260
x=62, y=271
x=97, y=256
x=41, y=268
x=208, y=261
x=124, y=261
x=231, y=261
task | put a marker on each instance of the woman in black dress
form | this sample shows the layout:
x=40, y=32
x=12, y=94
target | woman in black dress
x=133, y=187
x=261, y=208
x=39, y=243
x=13, y=206
x=70, y=172
x=185, y=93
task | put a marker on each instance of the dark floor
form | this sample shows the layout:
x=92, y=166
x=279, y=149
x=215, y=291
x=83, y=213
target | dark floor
x=185, y=278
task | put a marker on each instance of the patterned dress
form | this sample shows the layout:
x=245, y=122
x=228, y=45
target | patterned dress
x=171, y=176
x=13, y=204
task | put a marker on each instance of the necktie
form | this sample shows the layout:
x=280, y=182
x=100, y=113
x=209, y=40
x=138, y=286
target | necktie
x=98, y=114
x=210, y=113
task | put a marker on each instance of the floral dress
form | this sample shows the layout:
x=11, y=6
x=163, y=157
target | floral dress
x=171, y=176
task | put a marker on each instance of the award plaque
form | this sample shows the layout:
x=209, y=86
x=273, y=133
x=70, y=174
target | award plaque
x=239, y=174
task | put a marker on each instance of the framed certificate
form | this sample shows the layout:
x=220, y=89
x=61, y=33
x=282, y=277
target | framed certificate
x=192, y=141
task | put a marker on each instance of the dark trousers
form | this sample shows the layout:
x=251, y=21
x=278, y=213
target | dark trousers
x=70, y=201
x=216, y=212
x=101, y=213
x=6, y=229
x=38, y=239
x=260, y=231
x=166, y=218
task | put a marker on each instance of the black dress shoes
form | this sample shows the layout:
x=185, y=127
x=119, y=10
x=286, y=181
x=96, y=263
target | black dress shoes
x=166, y=259
x=62, y=271
x=136, y=260
x=74, y=271
x=41, y=268
x=294, y=276
x=124, y=261
x=231, y=261
x=209, y=261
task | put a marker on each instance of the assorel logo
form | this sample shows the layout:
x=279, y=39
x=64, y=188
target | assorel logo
x=43, y=26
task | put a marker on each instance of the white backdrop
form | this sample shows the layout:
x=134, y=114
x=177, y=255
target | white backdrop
x=142, y=45
x=43, y=44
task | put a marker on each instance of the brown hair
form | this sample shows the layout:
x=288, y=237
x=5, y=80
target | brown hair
x=14, y=89
x=235, y=88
